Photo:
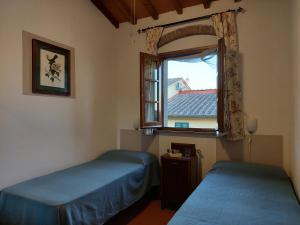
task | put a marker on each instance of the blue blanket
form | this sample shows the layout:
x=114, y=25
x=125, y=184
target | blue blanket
x=87, y=194
x=241, y=194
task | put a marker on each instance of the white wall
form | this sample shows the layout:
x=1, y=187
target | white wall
x=295, y=156
x=206, y=145
x=264, y=33
x=41, y=134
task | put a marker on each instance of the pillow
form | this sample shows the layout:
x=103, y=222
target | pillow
x=144, y=158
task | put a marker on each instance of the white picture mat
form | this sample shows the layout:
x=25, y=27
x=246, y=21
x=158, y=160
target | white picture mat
x=58, y=82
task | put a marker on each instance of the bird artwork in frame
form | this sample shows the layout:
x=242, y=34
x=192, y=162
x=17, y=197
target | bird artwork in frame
x=50, y=69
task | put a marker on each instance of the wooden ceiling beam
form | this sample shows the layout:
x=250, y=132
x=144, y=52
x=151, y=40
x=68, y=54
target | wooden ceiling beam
x=125, y=11
x=178, y=6
x=150, y=9
x=206, y=3
x=99, y=4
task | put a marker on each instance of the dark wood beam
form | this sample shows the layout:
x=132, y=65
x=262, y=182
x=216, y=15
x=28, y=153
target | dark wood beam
x=206, y=3
x=99, y=4
x=178, y=6
x=123, y=7
x=150, y=9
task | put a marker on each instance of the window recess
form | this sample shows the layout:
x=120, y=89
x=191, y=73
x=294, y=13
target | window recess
x=183, y=90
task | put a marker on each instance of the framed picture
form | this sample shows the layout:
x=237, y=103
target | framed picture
x=50, y=69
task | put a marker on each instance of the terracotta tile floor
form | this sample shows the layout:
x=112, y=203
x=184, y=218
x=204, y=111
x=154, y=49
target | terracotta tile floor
x=144, y=213
x=152, y=215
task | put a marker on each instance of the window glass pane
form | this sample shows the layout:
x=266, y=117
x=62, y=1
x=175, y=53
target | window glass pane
x=151, y=112
x=150, y=69
x=156, y=94
x=151, y=91
x=155, y=73
x=192, y=91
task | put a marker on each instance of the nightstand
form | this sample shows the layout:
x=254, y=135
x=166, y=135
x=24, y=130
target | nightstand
x=178, y=179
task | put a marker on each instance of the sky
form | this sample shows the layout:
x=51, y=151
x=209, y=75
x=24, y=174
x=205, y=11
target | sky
x=201, y=75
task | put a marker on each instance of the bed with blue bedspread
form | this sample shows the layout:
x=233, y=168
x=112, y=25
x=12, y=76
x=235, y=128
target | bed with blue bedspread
x=87, y=194
x=241, y=194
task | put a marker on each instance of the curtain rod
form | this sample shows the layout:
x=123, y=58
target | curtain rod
x=238, y=10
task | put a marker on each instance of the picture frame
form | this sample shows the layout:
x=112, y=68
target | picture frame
x=50, y=69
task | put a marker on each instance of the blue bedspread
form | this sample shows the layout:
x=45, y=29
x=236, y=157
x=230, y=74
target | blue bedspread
x=241, y=194
x=87, y=194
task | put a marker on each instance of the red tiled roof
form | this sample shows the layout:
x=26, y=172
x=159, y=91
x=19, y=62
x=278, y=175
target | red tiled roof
x=193, y=103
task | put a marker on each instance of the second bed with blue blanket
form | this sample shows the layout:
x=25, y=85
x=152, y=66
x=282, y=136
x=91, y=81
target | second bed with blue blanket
x=87, y=194
x=241, y=194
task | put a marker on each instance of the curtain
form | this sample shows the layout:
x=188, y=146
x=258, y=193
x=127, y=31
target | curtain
x=225, y=27
x=210, y=57
x=152, y=38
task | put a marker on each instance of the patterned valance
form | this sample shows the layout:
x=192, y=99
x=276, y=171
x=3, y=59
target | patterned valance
x=152, y=38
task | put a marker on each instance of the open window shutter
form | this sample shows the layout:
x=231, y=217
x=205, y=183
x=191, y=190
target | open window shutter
x=221, y=94
x=150, y=91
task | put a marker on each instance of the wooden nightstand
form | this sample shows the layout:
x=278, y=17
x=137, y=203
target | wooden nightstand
x=179, y=179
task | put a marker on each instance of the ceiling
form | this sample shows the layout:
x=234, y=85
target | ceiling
x=119, y=11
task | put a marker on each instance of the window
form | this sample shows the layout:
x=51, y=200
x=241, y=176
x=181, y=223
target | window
x=181, y=124
x=151, y=91
x=182, y=90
